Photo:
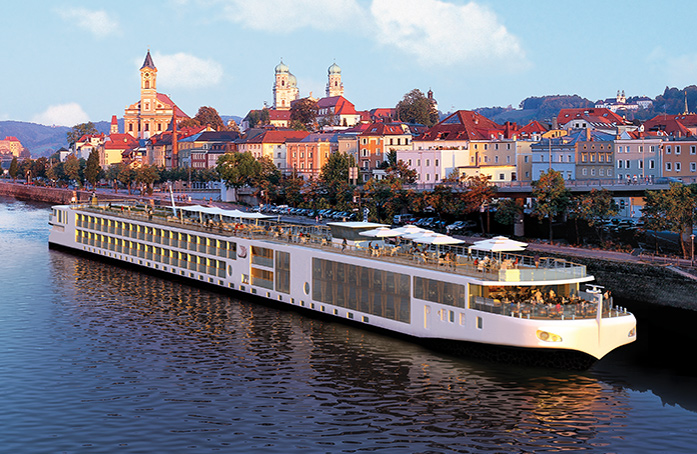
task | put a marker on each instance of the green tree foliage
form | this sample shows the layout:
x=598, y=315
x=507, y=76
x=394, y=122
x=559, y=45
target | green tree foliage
x=673, y=209
x=303, y=115
x=92, y=168
x=291, y=191
x=238, y=169
x=71, y=167
x=112, y=174
x=415, y=107
x=14, y=169
x=551, y=197
x=126, y=175
x=146, y=175
x=595, y=208
x=206, y=116
x=39, y=167
x=478, y=197
x=549, y=106
x=258, y=117
x=80, y=130
x=508, y=211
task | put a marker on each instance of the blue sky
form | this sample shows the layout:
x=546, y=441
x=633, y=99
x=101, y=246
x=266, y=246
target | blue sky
x=70, y=61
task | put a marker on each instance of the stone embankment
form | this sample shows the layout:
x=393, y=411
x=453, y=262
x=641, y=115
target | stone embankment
x=51, y=195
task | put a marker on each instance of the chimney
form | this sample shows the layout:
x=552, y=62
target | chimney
x=588, y=134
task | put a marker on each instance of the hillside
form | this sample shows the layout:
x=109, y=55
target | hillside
x=41, y=140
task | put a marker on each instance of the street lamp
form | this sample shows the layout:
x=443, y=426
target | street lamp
x=692, y=249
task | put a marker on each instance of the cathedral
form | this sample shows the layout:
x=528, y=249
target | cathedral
x=285, y=89
x=153, y=113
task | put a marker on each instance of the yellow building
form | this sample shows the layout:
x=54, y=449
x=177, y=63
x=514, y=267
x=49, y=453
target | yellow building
x=153, y=113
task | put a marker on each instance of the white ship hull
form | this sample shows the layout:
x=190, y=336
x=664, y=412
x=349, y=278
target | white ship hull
x=342, y=282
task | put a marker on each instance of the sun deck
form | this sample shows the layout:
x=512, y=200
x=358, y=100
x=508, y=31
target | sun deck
x=494, y=268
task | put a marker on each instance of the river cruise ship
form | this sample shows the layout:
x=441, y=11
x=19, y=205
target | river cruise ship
x=510, y=307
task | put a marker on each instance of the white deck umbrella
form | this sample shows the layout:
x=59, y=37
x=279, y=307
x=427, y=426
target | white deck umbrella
x=437, y=238
x=499, y=244
x=380, y=232
x=414, y=235
x=409, y=229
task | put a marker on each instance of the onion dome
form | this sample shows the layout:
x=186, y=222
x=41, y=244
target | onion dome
x=292, y=81
x=281, y=68
x=334, y=69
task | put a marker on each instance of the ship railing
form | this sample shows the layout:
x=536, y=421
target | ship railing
x=493, y=266
x=558, y=308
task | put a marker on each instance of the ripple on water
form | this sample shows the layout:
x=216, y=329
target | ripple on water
x=98, y=358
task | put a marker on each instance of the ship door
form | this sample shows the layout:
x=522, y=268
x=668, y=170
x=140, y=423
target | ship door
x=427, y=317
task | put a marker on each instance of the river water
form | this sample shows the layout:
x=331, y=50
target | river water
x=96, y=358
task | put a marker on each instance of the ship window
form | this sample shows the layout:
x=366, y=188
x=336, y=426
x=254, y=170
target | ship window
x=377, y=292
x=262, y=256
x=439, y=292
x=262, y=278
x=480, y=323
x=282, y=272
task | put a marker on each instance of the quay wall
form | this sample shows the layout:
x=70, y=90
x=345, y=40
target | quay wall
x=53, y=195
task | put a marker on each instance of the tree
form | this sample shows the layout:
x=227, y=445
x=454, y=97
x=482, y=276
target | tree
x=80, y=130
x=14, y=169
x=334, y=180
x=551, y=197
x=206, y=116
x=126, y=175
x=71, y=167
x=258, y=117
x=415, y=107
x=238, y=169
x=92, y=168
x=508, y=211
x=112, y=174
x=232, y=126
x=595, y=208
x=478, y=197
x=146, y=176
x=303, y=115
x=673, y=209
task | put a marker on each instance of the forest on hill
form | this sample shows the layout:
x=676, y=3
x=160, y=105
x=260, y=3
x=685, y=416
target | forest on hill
x=544, y=108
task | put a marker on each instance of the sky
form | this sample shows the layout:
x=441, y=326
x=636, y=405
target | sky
x=70, y=61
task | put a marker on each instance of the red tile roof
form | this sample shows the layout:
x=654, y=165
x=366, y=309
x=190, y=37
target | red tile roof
x=384, y=129
x=278, y=136
x=177, y=112
x=279, y=114
x=674, y=125
x=342, y=106
x=463, y=125
x=120, y=142
x=534, y=127
x=596, y=116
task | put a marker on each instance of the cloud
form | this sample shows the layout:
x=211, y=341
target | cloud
x=186, y=71
x=433, y=32
x=283, y=16
x=437, y=32
x=69, y=114
x=99, y=23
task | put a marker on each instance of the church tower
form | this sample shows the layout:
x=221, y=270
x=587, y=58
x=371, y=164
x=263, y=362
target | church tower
x=114, y=128
x=148, y=96
x=285, y=88
x=334, y=85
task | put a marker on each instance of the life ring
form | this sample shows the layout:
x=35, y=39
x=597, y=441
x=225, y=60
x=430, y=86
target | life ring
x=242, y=252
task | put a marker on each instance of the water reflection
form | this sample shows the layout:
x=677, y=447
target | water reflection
x=101, y=358
x=332, y=382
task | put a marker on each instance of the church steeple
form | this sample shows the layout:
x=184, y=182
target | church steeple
x=148, y=62
x=148, y=96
